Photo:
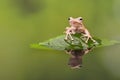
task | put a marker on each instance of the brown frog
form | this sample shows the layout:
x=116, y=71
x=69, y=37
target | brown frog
x=76, y=26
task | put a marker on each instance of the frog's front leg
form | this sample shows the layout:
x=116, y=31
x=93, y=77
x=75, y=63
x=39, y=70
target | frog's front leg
x=66, y=37
x=68, y=33
x=71, y=37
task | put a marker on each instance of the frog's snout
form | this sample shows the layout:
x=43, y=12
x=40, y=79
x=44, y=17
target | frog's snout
x=75, y=22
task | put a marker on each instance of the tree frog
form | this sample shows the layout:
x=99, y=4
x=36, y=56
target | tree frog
x=76, y=26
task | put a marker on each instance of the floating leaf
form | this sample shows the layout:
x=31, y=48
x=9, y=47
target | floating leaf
x=106, y=42
x=37, y=46
x=59, y=43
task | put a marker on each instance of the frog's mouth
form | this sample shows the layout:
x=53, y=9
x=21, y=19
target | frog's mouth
x=76, y=24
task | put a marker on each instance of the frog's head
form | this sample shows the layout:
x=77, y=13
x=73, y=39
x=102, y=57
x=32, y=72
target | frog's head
x=76, y=22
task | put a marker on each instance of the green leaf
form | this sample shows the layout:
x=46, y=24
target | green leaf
x=106, y=42
x=37, y=46
x=59, y=43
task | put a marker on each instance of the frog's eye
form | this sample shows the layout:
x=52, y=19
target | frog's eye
x=80, y=19
x=69, y=18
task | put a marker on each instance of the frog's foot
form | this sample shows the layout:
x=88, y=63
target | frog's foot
x=87, y=40
x=93, y=40
x=66, y=37
x=72, y=39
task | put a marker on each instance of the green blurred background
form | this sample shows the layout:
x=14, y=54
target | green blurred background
x=23, y=22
